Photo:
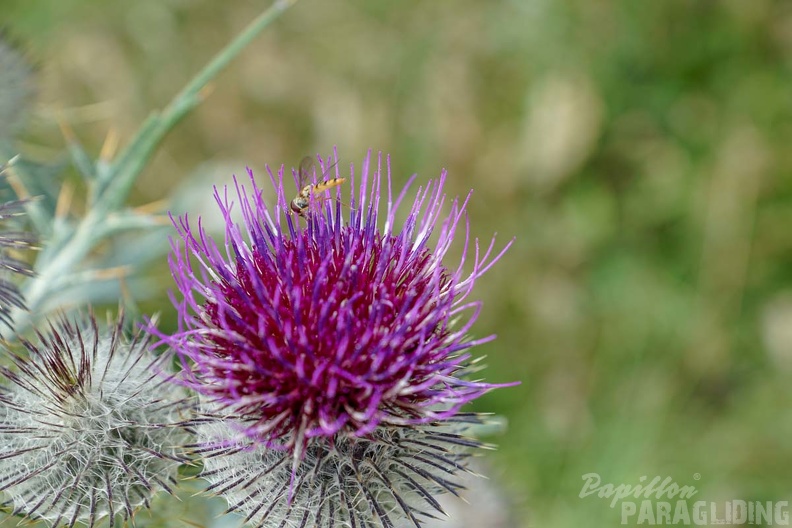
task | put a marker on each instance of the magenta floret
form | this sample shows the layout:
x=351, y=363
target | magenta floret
x=333, y=324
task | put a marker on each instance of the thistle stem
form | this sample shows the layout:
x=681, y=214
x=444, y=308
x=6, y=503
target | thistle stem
x=111, y=190
x=134, y=158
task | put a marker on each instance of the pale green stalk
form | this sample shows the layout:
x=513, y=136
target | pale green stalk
x=110, y=183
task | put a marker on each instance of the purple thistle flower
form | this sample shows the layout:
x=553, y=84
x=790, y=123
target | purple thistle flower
x=323, y=339
x=332, y=327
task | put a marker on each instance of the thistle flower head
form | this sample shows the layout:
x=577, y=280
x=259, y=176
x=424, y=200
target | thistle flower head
x=88, y=429
x=330, y=353
x=334, y=326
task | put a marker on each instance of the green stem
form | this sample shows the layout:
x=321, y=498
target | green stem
x=135, y=157
x=221, y=60
x=112, y=190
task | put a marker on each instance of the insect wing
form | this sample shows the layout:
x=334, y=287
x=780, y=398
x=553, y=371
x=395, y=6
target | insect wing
x=306, y=172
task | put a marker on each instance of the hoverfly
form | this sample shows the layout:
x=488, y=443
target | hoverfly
x=302, y=201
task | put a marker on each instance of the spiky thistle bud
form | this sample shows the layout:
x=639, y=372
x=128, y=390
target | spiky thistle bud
x=88, y=429
x=340, y=346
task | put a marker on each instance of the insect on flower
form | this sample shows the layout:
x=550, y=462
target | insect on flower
x=302, y=201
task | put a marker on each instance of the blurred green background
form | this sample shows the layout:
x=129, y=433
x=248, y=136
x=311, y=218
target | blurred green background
x=639, y=151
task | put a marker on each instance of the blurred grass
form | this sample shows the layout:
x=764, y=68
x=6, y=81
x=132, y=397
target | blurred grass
x=639, y=151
